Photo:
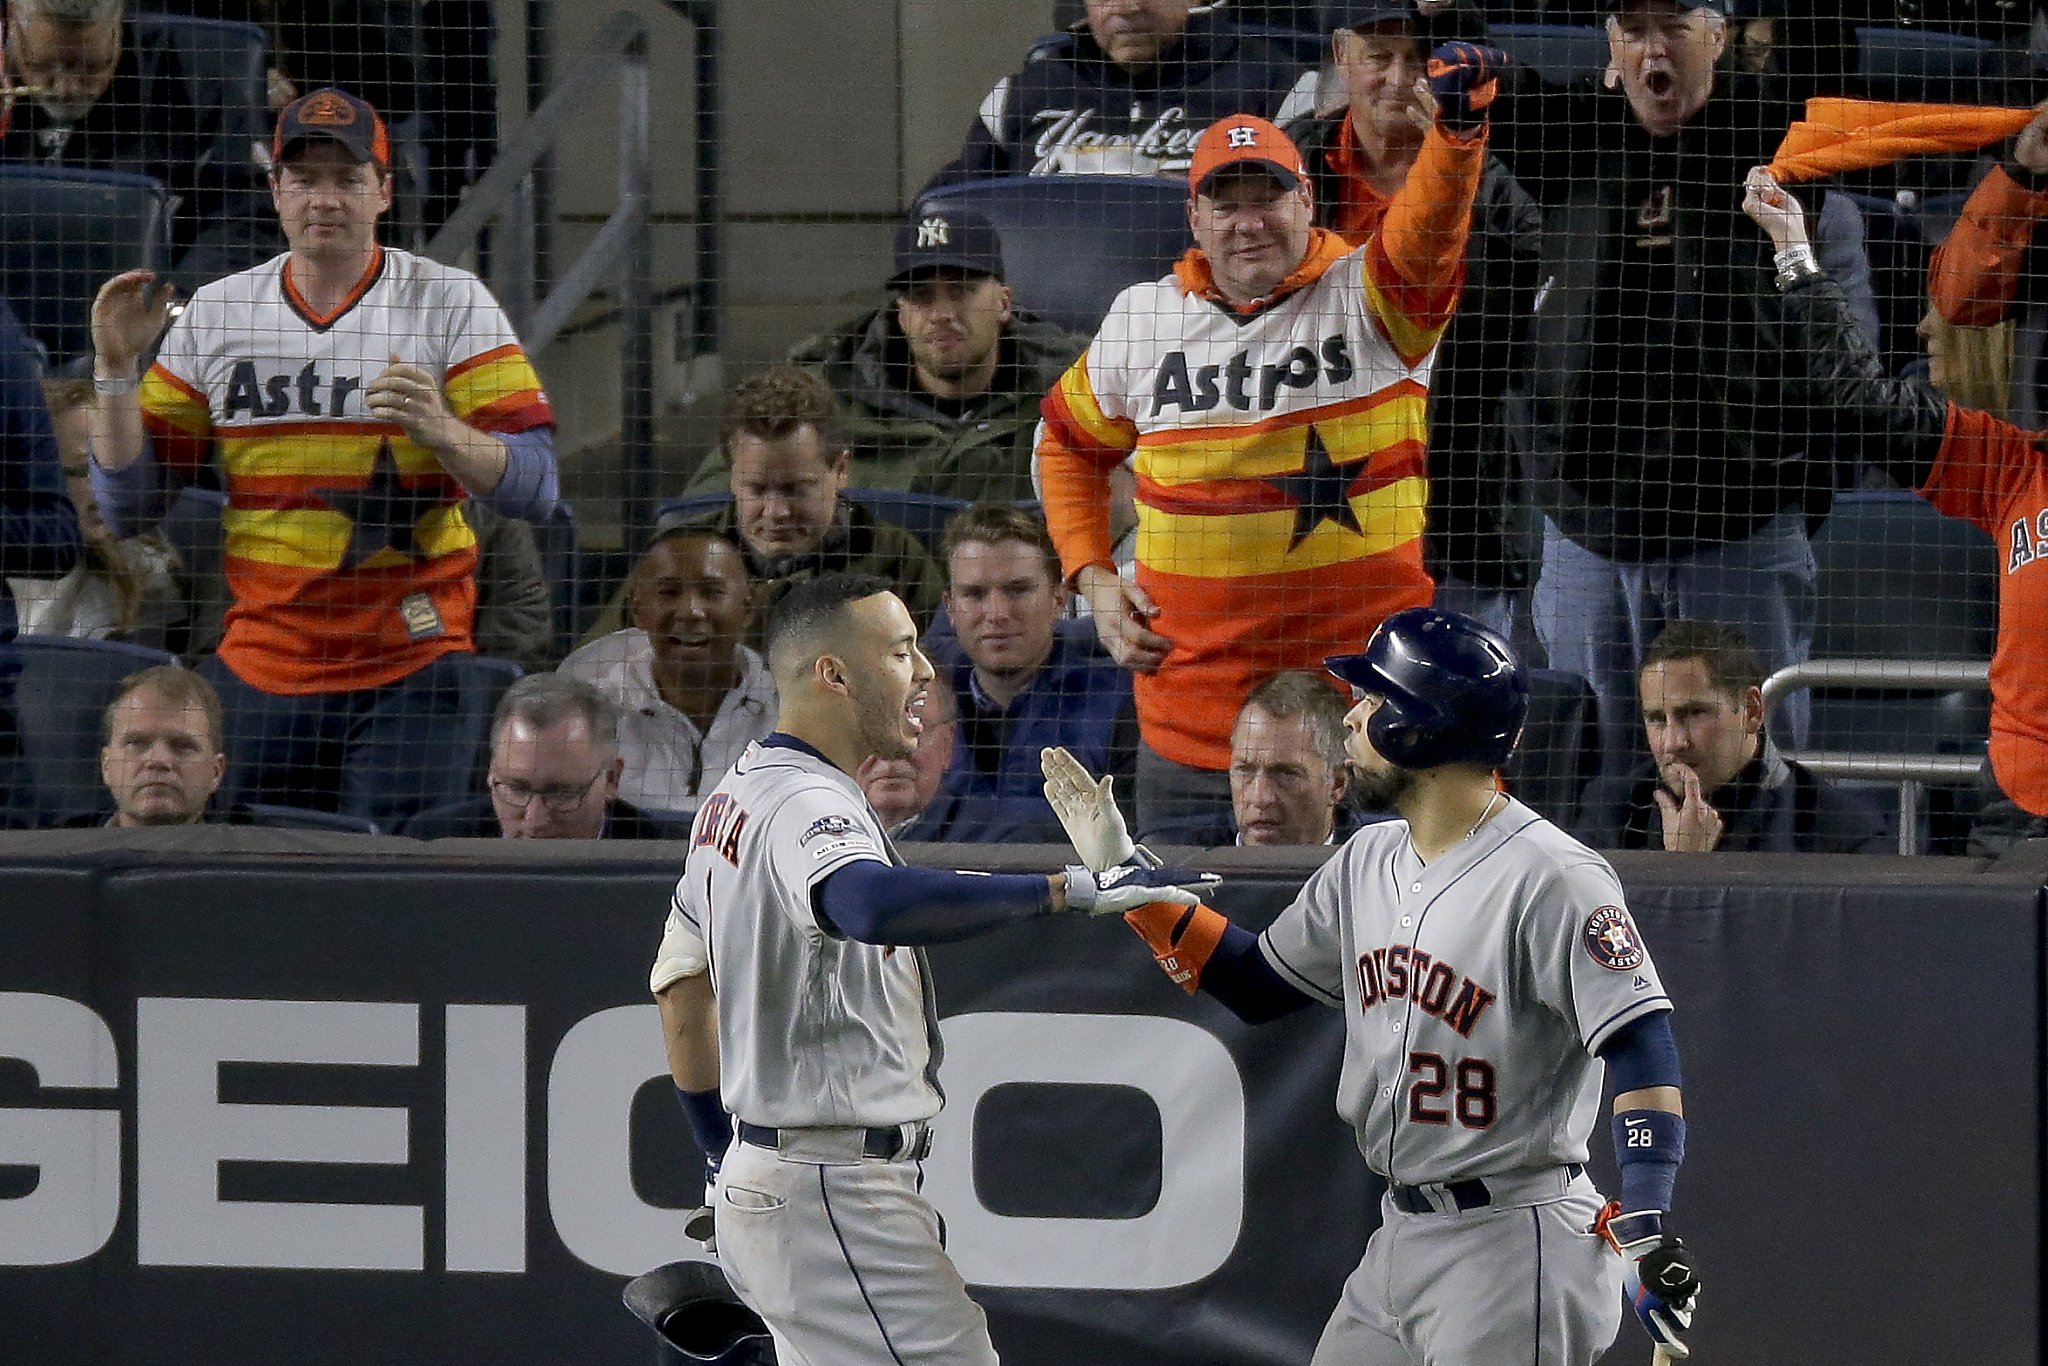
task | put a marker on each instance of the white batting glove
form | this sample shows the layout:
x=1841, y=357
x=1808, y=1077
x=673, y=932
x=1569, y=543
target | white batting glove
x=1128, y=886
x=1087, y=812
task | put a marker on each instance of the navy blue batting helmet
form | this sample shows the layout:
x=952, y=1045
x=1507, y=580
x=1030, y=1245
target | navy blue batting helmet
x=693, y=1308
x=1454, y=690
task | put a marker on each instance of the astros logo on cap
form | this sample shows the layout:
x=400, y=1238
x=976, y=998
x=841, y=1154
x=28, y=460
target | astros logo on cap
x=326, y=109
x=1243, y=136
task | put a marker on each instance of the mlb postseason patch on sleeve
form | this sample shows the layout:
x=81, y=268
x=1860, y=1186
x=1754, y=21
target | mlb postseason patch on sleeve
x=833, y=834
x=1612, y=939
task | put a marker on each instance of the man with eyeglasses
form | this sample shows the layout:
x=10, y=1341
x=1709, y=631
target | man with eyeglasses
x=554, y=773
x=102, y=93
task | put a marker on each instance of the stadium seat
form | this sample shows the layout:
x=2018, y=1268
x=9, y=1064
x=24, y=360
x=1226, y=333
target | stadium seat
x=226, y=70
x=1900, y=581
x=65, y=686
x=299, y=818
x=67, y=232
x=1920, y=65
x=1071, y=243
x=1559, y=746
x=1560, y=53
x=556, y=540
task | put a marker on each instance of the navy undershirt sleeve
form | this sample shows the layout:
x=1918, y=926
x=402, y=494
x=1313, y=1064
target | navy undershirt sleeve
x=883, y=903
x=1643, y=1053
x=1239, y=976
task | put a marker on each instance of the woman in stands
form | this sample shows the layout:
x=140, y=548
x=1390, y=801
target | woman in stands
x=1968, y=463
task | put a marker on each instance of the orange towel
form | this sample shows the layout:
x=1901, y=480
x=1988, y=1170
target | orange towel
x=1854, y=135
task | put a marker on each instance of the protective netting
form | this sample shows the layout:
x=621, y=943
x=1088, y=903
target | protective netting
x=1141, y=425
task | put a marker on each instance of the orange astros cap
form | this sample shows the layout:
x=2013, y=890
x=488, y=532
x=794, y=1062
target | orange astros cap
x=1239, y=138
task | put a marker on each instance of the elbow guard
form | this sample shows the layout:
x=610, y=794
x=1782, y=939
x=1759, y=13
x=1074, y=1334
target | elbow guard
x=1181, y=938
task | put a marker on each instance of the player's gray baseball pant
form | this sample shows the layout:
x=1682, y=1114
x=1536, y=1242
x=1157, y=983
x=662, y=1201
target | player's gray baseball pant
x=842, y=1259
x=1518, y=1286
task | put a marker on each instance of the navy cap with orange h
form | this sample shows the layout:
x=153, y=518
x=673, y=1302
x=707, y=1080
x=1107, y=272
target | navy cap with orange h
x=335, y=115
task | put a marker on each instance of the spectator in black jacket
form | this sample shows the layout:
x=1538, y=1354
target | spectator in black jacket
x=1484, y=535
x=1674, y=466
x=1716, y=781
x=1127, y=92
x=554, y=773
x=112, y=98
x=39, y=536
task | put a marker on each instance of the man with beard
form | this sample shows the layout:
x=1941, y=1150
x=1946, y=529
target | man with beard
x=827, y=1027
x=1487, y=967
x=691, y=695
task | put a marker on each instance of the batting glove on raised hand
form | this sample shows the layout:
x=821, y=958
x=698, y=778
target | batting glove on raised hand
x=1127, y=886
x=1087, y=812
x=1464, y=78
x=1659, y=1281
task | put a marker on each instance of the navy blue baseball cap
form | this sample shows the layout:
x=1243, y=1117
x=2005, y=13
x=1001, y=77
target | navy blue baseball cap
x=940, y=237
x=337, y=116
x=1368, y=15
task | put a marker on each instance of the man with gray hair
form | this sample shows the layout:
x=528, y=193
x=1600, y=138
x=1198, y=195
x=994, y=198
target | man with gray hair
x=554, y=773
x=104, y=94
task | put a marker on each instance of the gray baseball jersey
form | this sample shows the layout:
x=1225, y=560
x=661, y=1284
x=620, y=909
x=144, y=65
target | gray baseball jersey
x=814, y=1030
x=1475, y=989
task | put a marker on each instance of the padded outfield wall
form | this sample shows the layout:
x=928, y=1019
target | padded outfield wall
x=352, y=1100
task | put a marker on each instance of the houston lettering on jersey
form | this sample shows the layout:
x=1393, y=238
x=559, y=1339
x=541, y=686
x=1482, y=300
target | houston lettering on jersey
x=1279, y=451
x=1402, y=972
x=347, y=552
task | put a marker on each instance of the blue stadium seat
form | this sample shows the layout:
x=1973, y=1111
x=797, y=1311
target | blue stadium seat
x=299, y=818
x=66, y=232
x=65, y=686
x=1900, y=581
x=1924, y=66
x=1070, y=243
x=226, y=70
x=1559, y=53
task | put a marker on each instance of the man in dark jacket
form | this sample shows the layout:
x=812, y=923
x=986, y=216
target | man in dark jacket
x=1022, y=685
x=39, y=536
x=554, y=773
x=1717, y=782
x=1127, y=92
x=115, y=98
x=1651, y=412
x=1484, y=535
x=940, y=388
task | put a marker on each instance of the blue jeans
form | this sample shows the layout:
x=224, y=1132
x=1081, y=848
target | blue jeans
x=1506, y=611
x=384, y=753
x=1597, y=616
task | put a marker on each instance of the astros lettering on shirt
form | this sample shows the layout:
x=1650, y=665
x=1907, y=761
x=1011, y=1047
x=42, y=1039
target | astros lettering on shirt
x=347, y=553
x=1279, y=452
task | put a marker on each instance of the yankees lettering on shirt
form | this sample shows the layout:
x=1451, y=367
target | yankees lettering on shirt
x=1064, y=137
x=1204, y=387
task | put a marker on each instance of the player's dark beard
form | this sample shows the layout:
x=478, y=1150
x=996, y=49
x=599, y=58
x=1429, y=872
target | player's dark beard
x=1381, y=790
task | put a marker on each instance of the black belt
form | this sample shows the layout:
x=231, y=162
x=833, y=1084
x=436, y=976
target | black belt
x=1469, y=1194
x=887, y=1144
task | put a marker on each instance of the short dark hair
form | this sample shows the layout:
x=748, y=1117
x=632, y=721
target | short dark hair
x=175, y=684
x=994, y=523
x=1298, y=693
x=543, y=700
x=772, y=404
x=812, y=607
x=1733, y=665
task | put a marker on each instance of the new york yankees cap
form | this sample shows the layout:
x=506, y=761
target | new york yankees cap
x=940, y=237
x=337, y=115
x=1237, y=139
x=1369, y=15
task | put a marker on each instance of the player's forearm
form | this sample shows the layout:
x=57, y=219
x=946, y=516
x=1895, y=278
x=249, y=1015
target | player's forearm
x=880, y=903
x=689, y=1029
x=1666, y=1098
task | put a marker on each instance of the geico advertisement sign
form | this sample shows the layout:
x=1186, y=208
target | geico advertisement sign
x=184, y=1130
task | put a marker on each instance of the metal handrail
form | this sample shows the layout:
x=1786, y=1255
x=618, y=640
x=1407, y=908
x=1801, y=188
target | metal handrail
x=1909, y=771
x=624, y=243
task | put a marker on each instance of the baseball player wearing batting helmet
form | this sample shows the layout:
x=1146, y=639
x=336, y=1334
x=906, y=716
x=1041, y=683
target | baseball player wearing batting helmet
x=828, y=1040
x=1487, y=967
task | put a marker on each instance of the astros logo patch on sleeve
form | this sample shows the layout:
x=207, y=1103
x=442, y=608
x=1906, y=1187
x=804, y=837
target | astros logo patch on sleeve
x=1612, y=939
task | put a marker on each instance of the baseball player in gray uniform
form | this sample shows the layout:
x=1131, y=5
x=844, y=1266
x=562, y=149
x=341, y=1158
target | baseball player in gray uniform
x=828, y=1040
x=1487, y=966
